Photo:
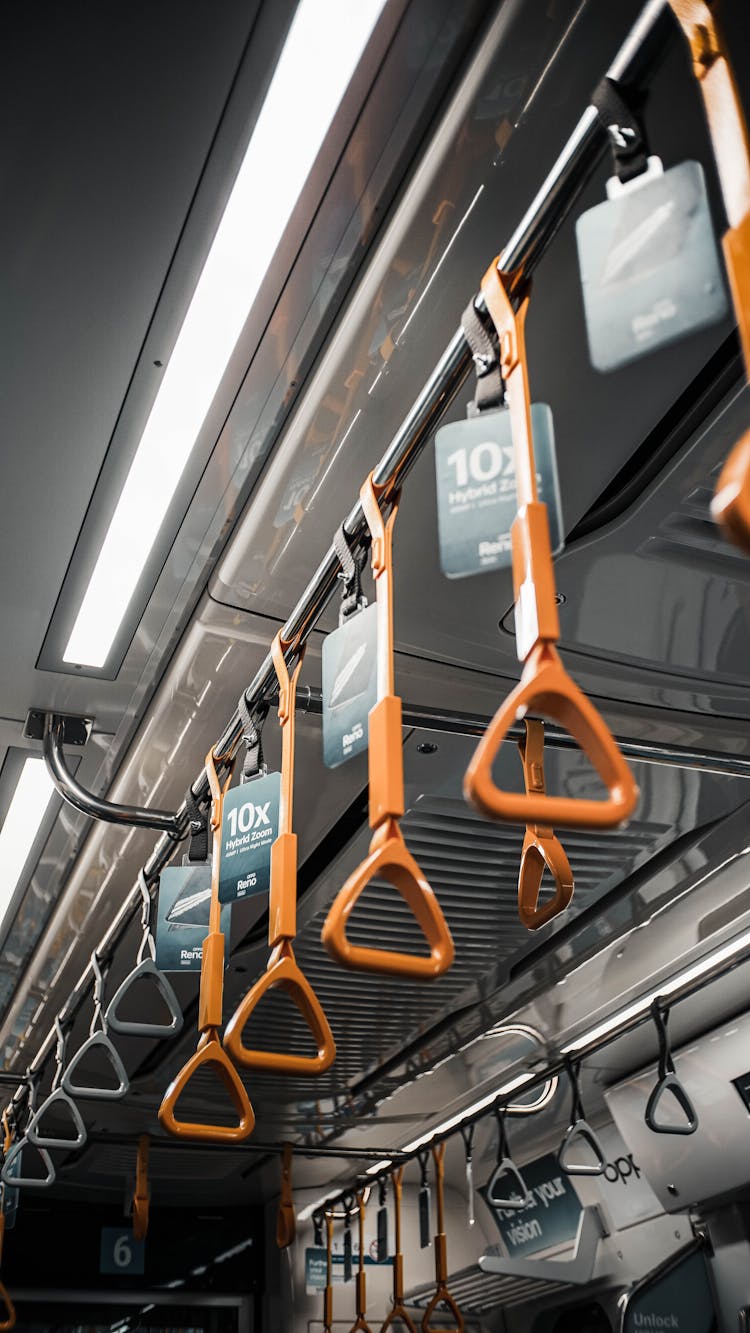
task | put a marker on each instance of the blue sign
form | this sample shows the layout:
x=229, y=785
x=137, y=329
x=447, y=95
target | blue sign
x=182, y=917
x=120, y=1252
x=249, y=828
x=678, y=1299
x=550, y=1218
x=476, y=489
x=316, y=1266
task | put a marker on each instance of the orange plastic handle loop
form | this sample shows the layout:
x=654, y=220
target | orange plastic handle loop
x=547, y=688
x=210, y=1054
x=389, y=856
x=390, y=859
x=283, y=971
x=328, y=1293
x=730, y=507
x=442, y=1294
x=731, y=145
x=542, y=849
x=141, y=1192
x=544, y=681
x=286, y=1226
x=10, y=1310
x=8, y=1133
x=399, y=1313
x=360, y=1324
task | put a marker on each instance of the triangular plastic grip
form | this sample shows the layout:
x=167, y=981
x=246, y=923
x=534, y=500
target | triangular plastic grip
x=146, y=970
x=506, y=1172
x=581, y=1132
x=671, y=1084
x=390, y=859
x=27, y=1182
x=537, y=854
x=10, y=1310
x=284, y=972
x=35, y=1135
x=545, y=687
x=442, y=1297
x=210, y=1053
x=399, y=1314
x=97, y=1041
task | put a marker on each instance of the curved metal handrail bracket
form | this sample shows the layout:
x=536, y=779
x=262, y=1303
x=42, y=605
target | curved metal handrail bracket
x=163, y=821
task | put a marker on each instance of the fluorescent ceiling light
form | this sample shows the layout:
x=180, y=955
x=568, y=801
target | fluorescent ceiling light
x=321, y=53
x=22, y=822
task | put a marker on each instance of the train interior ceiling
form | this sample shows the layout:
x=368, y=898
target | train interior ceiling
x=346, y=983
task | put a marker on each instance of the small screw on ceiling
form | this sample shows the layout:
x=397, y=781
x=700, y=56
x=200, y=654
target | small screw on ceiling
x=560, y=598
x=159, y=363
x=426, y=747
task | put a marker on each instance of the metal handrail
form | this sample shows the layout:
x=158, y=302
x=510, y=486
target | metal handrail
x=163, y=821
x=525, y=248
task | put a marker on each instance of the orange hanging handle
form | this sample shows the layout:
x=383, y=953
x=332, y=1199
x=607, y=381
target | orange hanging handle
x=442, y=1295
x=283, y=970
x=8, y=1132
x=286, y=1226
x=10, y=1310
x=541, y=849
x=545, y=686
x=210, y=1053
x=399, y=1312
x=731, y=145
x=141, y=1194
x=328, y=1293
x=360, y=1324
x=388, y=857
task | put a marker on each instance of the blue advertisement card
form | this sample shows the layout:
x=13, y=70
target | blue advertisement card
x=476, y=489
x=182, y=917
x=249, y=829
x=349, y=686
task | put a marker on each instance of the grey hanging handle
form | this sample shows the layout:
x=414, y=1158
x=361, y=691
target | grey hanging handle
x=58, y=1097
x=579, y=1131
x=506, y=1173
x=668, y=1083
x=14, y=1152
x=97, y=1040
x=145, y=970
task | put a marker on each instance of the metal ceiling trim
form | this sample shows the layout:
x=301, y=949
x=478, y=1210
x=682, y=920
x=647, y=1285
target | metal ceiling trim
x=525, y=248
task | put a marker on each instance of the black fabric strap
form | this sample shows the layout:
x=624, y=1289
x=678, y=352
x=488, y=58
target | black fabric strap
x=627, y=138
x=489, y=388
x=352, y=563
x=198, y=849
x=253, y=763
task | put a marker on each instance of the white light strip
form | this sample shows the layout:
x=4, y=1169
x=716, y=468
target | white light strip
x=321, y=53
x=641, y=1006
x=25, y=814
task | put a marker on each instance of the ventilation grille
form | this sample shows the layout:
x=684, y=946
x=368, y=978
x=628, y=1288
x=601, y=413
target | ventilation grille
x=473, y=867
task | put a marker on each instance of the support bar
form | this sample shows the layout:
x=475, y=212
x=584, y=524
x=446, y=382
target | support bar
x=525, y=248
x=71, y=791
